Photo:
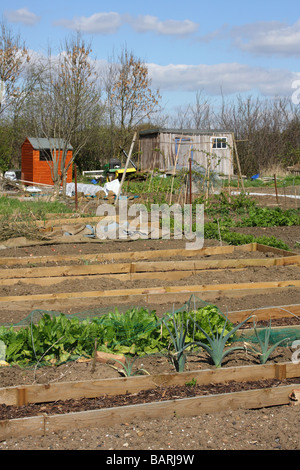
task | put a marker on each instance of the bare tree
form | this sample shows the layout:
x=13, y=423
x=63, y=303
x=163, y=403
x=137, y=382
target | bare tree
x=197, y=115
x=260, y=126
x=13, y=60
x=130, y=98
x=67, y=104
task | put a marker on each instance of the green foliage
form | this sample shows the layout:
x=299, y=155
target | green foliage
x=221, y=206
x=156, y=184
x=136, y=332
x=269, y=217
x=241, y=211
x=54, y=339
x=58, y=338
x=6, y=149
x=211, y=230
x=191, y=383
x=289, y=180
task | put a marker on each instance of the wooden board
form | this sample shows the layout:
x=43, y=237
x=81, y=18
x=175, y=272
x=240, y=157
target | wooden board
x=266, y=313
x=40, y=393
x=153, y=291
x=143, y=296
x=250, y=399
x=165, y=276
x=194, y=266
x=145, y=255
x=195, y=406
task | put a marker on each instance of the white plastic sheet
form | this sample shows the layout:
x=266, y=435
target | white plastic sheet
x=113, y=186
x=92, y=189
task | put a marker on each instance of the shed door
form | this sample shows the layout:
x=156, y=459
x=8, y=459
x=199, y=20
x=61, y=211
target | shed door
x=184, y=149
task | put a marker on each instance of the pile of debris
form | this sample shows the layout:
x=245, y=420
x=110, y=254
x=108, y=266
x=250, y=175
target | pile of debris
x=7, y=184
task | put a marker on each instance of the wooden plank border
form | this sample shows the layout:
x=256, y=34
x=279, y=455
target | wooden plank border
x=195, y=406
x=153, y=291
x=194, y=266
x=147, y=254
x=266, y=313
x=40, y=393
x=163, y=276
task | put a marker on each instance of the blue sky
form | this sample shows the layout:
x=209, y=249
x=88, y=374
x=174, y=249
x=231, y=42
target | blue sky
x=216, y=47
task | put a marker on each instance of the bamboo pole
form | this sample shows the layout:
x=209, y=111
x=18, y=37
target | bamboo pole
x=126, y=166
x=76, y=196
x=238, y=162
x=174, y=172
x=276, y=191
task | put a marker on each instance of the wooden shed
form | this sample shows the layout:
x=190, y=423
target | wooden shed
x=161, y=147
x=36, y=159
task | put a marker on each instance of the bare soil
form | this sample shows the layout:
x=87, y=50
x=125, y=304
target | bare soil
x=269, y=429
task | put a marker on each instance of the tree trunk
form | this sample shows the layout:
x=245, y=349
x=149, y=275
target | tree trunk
x=56, y=188
x=64, y=182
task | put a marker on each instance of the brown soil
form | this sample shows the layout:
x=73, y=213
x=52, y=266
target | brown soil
x=156, y=364
x=270, y=428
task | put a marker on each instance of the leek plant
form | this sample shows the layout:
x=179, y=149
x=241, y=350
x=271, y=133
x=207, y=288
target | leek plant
x=178, y=340
x=265, y=350
x=127, y=369
x=216, y=342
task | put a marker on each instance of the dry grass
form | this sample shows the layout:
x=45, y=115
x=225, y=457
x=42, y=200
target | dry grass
x=13, y=228
x=274, y=169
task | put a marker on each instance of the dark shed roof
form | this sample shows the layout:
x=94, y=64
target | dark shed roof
x=43, y=143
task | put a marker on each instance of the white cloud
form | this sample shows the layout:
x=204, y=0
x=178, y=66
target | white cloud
x=147, y=23
x=99, y=23
x=23, y=15
x=108, y=23
x=269, y=38
x=229, y=78
x=262, y=38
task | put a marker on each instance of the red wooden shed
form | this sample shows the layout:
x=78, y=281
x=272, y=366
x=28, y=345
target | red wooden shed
x=36, y=161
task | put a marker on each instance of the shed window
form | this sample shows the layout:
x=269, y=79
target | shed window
x=45, y=155
x=219, y=142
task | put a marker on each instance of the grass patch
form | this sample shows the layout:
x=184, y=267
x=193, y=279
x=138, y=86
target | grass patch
x=13, y=208
x=283, y=181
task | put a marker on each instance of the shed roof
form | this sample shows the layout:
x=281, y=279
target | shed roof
x=161, y=130
x=40, y=143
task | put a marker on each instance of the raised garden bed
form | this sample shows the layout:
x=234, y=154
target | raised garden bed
x=276, y=391
x=87, y=404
